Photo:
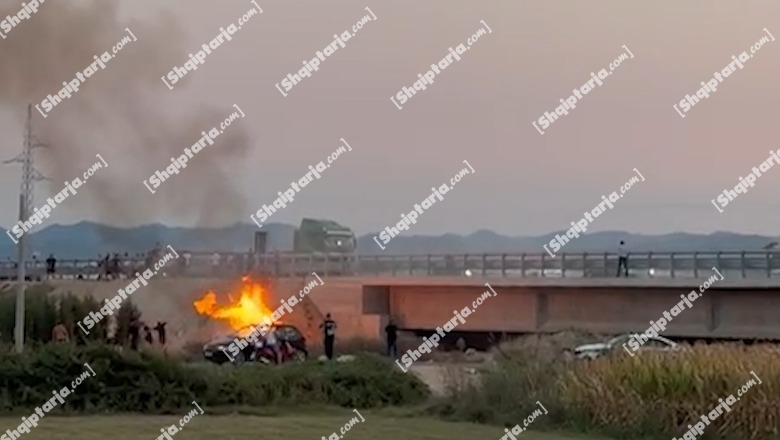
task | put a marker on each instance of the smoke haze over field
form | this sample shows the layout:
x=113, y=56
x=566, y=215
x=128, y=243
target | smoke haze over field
x=118, y=114
x=480, y=109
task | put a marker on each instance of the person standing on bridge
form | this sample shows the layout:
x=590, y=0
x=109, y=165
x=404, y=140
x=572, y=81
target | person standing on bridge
x=51, y=266
x=216, y=260
x=622, y=258
x=329, y=331
x=116, y=265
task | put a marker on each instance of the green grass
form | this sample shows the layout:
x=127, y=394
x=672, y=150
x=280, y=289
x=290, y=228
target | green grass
x=293, y=426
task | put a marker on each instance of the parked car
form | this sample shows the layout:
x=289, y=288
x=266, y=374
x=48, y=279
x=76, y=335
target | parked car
x=287, y=334
x=595, y=350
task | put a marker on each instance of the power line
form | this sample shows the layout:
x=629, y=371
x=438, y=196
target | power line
x=29, y=176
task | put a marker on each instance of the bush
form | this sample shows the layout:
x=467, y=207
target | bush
x=650, y=395
x=149, y=382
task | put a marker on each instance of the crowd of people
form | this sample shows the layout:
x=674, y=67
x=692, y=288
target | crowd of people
x=61, y=333
x=115, y=265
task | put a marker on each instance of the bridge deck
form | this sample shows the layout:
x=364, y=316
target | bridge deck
x=638, y=283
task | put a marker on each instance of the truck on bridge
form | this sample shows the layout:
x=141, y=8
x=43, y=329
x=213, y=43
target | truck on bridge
x=323, y=237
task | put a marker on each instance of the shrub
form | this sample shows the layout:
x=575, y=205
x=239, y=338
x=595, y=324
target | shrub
x=649, y=395
x=153, y=383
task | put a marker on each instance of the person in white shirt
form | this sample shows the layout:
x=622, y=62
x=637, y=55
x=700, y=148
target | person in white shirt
x=622, y=258
x=215, y=260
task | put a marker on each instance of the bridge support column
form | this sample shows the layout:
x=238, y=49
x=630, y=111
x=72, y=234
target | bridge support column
x=541, y=310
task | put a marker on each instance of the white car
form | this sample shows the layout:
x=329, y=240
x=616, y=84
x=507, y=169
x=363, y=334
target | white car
x=592, y=351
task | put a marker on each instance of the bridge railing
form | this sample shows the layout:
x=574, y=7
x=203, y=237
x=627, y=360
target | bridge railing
x=745, y=264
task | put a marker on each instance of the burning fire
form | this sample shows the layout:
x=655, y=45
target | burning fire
x=250, y=309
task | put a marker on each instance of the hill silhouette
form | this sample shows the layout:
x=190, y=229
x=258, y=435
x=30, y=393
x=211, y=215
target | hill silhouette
x=88, y=239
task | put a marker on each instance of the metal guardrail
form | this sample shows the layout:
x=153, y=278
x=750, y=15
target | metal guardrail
x=745, y=264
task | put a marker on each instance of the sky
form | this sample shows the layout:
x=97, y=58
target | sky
x=479, y=109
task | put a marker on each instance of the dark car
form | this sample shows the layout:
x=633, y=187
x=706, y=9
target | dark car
x=284, y=332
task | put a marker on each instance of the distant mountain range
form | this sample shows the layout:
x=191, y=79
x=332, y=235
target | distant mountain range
x=87, y=240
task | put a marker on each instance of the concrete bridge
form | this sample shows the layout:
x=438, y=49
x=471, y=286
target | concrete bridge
x=536, y=294
x=740, y=264
x=727, y=309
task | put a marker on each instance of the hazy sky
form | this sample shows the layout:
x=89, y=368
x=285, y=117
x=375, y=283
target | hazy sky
x=479, y=109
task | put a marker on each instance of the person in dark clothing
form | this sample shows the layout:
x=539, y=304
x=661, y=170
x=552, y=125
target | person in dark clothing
x=329, y=332
x=106, y=264
x=392, y=336
x=133, y=330
x=249, y=262
x=148, y=335
x=51, y=264
x=160, y=327
x=116, y=266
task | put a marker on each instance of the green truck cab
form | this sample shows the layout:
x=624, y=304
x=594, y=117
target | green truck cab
x=323, y=236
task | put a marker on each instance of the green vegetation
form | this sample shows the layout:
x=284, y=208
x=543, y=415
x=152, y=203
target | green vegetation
x=43, y=311
x=152, y=383
x=650, y=395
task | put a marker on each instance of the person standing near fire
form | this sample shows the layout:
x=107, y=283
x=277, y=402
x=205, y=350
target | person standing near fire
x=392, y=338
x=160, y=327
x=60, y=333
x=329, y=332
x=272, y=342
x=133, y=330
x=111, y=330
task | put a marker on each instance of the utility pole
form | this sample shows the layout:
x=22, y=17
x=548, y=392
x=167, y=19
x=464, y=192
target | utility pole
x=29, y=176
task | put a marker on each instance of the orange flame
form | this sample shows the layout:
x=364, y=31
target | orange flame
x=250, y=309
